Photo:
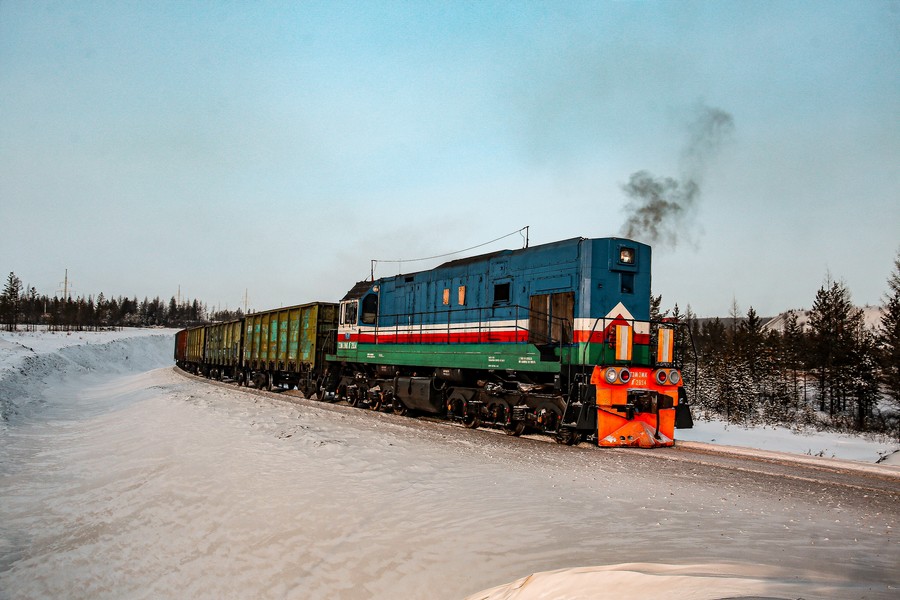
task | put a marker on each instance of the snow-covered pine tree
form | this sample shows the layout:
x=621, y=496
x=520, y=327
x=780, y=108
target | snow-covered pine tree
x=792, y=359
x=834, y=345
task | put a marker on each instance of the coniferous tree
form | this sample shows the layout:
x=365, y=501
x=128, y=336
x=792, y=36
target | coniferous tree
x=793, y=357
x=837, y=347
x=656, y=313
x=10, y=301
x=863, y=376
x=889, y=340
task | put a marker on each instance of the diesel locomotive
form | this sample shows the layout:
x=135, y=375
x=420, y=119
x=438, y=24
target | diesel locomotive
x=555, y=338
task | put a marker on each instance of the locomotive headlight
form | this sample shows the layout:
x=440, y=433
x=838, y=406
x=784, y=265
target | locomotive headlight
x=617, y=375
x=626, y=256
x=674, y=377
x=661, y=377
x=611, y=375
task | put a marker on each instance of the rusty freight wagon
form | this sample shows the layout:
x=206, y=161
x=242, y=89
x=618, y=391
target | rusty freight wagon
x=287, y=346
x=190, y=349
x=224, y=345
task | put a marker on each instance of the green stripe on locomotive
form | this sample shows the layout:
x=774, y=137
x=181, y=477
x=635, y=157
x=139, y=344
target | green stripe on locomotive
x=520, y=357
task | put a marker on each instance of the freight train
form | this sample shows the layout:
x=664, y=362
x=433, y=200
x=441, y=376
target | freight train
x=555, y=338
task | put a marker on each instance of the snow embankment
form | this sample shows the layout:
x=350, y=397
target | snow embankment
x=674, y=582
x=32, y=361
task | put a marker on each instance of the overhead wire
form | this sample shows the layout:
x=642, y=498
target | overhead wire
x=406, y=260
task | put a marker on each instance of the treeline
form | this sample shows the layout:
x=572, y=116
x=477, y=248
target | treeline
x=832, y=371
x=25, y=308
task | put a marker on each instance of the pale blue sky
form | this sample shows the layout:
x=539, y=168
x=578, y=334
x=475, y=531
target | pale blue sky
x=279, y=146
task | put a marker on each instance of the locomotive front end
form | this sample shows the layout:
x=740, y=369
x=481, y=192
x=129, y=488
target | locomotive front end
x=635, y=380
x=636, y=406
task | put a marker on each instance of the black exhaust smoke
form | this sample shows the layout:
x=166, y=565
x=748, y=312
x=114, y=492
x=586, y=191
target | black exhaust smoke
x=659, y=208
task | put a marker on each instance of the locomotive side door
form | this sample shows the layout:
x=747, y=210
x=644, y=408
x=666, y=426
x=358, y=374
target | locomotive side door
x=551, y=318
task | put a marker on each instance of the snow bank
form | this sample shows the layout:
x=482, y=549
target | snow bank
x=31, y=362
x=673, y=582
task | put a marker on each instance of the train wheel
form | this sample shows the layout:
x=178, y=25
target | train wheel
x=349, y=395
x=499, y=412
x=471, y=421
x=400, y=408
x=516, y=429
x=567, y=436
x=549, y=417
x=259, y=380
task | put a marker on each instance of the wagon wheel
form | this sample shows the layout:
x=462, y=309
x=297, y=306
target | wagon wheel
x=259, y=380
x=343, y=393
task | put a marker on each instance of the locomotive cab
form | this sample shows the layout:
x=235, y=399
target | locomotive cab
x=358, y=310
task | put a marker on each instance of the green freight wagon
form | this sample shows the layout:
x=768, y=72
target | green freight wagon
x=287, y=346
x=224, y=348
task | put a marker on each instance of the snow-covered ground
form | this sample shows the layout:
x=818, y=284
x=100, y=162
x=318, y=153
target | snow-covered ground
x=120, y=478
x=871, y=449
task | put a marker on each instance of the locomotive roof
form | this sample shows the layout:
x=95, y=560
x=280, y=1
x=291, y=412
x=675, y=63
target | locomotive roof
x=472, y=259
x=357, y=290
x=363, y=286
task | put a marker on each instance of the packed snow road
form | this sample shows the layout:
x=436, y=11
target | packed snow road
x=138, y=482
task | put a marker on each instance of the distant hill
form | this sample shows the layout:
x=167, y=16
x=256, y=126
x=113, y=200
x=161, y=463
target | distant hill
x=871, y=316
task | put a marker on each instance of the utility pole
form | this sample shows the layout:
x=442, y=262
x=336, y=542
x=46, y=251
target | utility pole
x=246, y=300
x=65, y=286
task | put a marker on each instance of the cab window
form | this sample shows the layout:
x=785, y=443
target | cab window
x=350, y=310
x=370, y=309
